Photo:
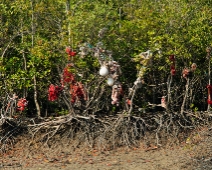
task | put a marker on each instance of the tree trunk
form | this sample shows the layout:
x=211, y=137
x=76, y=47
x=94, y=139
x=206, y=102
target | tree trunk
x=185, y=96
x=36, y=97
x=34, y=78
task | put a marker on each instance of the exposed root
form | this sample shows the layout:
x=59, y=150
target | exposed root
x=93, y=131
x=9, y=129
x=106, y=132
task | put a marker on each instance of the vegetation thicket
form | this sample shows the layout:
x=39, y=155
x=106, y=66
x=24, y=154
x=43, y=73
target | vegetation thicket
x=104, y=71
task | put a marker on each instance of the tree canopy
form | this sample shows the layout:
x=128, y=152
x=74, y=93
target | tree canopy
x=35, y=34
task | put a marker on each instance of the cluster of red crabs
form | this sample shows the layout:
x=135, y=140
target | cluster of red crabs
x=77, y=91
x=186, y=71
x=21, y=103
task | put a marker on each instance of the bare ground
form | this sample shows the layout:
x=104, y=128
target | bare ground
x=192, y=154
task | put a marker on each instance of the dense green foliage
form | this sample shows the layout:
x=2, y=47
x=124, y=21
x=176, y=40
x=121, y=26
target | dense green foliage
x=35, y=33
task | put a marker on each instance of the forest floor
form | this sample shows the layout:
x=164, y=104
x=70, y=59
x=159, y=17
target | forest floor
x=195, y=153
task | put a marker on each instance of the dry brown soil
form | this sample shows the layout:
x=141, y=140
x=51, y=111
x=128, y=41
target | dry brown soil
x=193, y=154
